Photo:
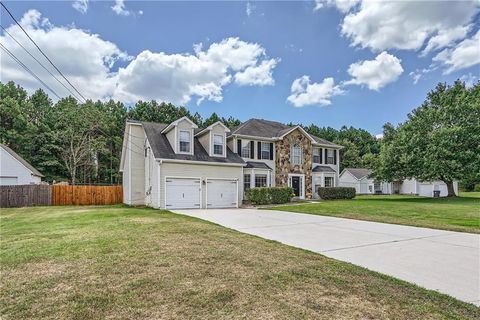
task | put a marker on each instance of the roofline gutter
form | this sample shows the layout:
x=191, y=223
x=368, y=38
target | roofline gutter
x=229, y=164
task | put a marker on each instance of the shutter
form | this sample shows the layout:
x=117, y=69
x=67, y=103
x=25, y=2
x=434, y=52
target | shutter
x=321, y=155
x=271, y=150
x=326, y=155
x=252, y=150
x=239, y=147
x=259, y=151
x=335, y=156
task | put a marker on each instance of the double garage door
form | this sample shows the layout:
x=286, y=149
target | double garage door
x=190, y=193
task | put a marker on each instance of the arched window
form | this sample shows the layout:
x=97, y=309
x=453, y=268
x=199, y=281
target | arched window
x=296, y=156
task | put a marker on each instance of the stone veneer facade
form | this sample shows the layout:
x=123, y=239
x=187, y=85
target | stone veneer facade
x=282, y=159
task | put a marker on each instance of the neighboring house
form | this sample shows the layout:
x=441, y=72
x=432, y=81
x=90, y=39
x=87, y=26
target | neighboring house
x=14, y=170
x=364, y=183
x=178, y=165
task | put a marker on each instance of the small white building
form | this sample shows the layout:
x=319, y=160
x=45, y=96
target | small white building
x=14, y=170
x=364, y=183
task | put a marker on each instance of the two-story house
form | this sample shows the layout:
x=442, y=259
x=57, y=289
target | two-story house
x=178, y=165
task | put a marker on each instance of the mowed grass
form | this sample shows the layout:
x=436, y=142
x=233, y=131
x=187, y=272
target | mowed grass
x=135, y=263
x=456, y=214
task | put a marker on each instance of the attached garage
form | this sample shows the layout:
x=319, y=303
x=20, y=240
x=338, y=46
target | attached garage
x=183, y=193
x=205, y=186
x=222, y=193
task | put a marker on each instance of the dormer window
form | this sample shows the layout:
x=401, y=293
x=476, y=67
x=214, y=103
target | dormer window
x=218, y=145
x=185, y=141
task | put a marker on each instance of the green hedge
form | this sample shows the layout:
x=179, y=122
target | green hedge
x=272, y=195
x=336, y=193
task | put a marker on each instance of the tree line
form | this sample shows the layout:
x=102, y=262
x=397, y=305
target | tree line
x=82, y=142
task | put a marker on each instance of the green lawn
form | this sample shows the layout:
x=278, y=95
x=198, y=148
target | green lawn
x=457, y=214
x=131, y=263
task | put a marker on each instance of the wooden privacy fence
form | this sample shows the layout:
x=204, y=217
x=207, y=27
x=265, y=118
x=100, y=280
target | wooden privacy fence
x=86, y=195
x=25, y=196
x=57, y=195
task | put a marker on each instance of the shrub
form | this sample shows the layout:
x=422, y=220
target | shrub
x=273, y=195
x=336, y=193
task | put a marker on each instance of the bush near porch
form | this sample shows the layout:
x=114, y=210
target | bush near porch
x=271, y=195
x=336, y=193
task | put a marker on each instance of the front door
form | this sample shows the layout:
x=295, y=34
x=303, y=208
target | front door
x=296, y=186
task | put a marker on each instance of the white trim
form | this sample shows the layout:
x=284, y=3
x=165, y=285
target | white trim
x=299, y=128
x=210, y=127
x=129, y=165
x=240, y=136
x=179, y=177
x=174, y=123
x=302, y=195
x=159, y=183
x=190, y=131
x=212, y=145
x=226, y=179
x=194, y=162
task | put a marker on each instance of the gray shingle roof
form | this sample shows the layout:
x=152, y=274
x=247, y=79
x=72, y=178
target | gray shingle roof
x=359, y=173
x=323, y=169
x=257, y=165
x=270, y=129
x=161, y=148
x=34, y=171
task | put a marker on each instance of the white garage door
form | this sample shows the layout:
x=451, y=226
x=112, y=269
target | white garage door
x=222, y=193
x=425, y=189
x=182, y=193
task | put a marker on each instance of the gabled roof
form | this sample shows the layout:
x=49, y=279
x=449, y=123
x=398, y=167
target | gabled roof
x=174, y=123
x=162, y=149
x=199, y=132
x=27, y=165
x=274, y=130
x=359, y=173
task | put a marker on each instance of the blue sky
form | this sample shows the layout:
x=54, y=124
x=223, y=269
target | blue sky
x=255, y=55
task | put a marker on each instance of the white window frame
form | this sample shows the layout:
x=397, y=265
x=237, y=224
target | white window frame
x=330, y=155
x=190, y=142
x=249, y=175
x=325, y=181
x=299, y=155
x=261, y=175
x=319, y=154
x=223, y=145
x=264, y=147
x=246, y=147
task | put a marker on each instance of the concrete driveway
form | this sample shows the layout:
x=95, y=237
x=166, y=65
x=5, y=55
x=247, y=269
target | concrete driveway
x=446, y=261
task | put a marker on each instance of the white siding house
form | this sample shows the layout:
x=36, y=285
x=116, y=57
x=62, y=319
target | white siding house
x=14, y=170
x=360, y=179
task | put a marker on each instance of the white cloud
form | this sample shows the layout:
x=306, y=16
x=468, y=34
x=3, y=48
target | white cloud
x=179, y=77
x=88, y=61
x=257, y=75
x=465, y=54
x=84, y=58
x=420, y=73
x=119, y=8
x=249, y=8
x=407, y=25
x=80, y=5
x=446, y=38
x=342, y=5
x=469, y=79
x=304, y=92
x=377, y=73
x=379, y=136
